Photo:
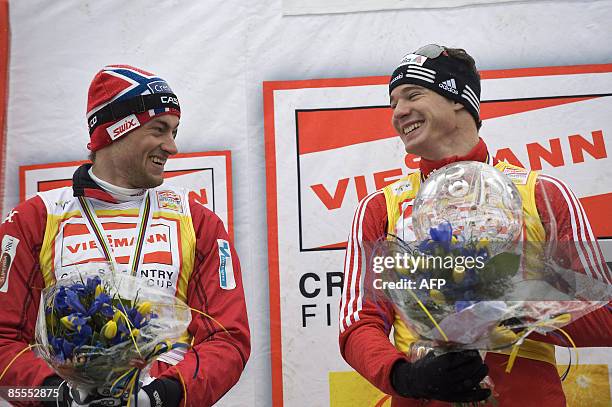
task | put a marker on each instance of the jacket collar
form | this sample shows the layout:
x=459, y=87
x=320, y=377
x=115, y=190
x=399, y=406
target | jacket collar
x=83, y=185
x=480, y=153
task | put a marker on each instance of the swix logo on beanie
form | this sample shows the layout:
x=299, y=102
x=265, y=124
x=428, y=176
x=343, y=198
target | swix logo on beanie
x=123, y=126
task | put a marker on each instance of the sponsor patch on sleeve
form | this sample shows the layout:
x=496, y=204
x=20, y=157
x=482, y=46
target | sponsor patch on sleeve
x=226, y=270
x=9, y=250
x=169, y=200
x=517, y=175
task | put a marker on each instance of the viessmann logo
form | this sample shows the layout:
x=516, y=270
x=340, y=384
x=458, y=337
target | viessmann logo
x=77, y=245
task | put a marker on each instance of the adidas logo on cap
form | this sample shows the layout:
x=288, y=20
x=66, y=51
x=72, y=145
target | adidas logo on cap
x=450, y=86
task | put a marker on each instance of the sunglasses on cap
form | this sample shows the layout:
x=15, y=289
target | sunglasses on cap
x=431, y=51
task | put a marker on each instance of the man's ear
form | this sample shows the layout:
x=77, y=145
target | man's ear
x=458, y=106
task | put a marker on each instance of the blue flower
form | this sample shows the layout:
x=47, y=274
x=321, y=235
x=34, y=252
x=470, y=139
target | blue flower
x=442, y=233
x=73, y=301
x=98, y=304
x=107, y=310
x=92, y=283
x=83, y=335
x=59, y=303
x=138, y=320
x=67, y=349
x=122, y=327
x=57, y=344
x=427, y=246
x=78, y=288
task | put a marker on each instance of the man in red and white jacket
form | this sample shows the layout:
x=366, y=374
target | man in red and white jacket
x=133, y=117
x=435, y=98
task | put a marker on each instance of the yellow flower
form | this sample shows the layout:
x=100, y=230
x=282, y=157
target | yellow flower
x=482, y=243
x=454, y=240
x=144, y=308
x=67, y=322
x=458, y=274
x=135, y=332
x=117, y=316
x=99, y=290
x=109, y=330
x=437, y=296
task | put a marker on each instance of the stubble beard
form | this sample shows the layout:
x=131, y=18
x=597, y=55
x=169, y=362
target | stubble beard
x=140, y=178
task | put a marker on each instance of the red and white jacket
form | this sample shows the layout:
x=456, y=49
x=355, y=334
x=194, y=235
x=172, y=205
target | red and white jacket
x=184, y=244
x=365, y=325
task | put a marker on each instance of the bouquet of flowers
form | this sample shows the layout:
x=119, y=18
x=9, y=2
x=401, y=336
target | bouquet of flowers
x=470, y=280
x=451, y=290
x=99, y=328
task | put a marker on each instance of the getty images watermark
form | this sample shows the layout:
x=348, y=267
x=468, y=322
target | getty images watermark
x=407, y=264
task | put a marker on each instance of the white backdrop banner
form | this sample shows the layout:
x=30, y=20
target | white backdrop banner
x=329, y=143
x=297, y=7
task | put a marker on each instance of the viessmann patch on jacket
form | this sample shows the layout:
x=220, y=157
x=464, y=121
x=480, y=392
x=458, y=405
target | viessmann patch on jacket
x=9, y=250
x=169, y=200
x=75, y=246
x=226, y=270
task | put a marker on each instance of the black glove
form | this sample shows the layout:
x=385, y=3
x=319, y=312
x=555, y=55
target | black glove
x=452, y=377
x=164, y=392
x=56, y=381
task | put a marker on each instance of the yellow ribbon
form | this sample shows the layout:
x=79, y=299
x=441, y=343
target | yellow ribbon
x=562, y=319
x=429, y=315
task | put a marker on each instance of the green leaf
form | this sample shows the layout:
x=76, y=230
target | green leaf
x=501, y=266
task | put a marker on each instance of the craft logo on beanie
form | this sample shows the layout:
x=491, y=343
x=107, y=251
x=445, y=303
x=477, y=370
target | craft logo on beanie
x=122, y=98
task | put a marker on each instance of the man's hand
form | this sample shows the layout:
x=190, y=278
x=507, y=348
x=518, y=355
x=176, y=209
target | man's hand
x=98, y=398
x=452, y=377
x=162, y=392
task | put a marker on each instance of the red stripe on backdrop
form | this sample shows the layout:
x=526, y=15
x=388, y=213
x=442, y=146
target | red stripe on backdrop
x=330, y=129
x=322, y=130
x=4, y=65
x=276, y=351
x=493, y=110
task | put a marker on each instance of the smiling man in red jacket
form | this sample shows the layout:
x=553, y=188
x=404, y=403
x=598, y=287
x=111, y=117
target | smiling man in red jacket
x=435, y=98
x=133, y=117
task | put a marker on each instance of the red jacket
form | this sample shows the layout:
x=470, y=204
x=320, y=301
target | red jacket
x=365, y=325
x=222, y=355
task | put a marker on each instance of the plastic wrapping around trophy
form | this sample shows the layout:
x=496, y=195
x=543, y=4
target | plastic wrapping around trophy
x=524, y=278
